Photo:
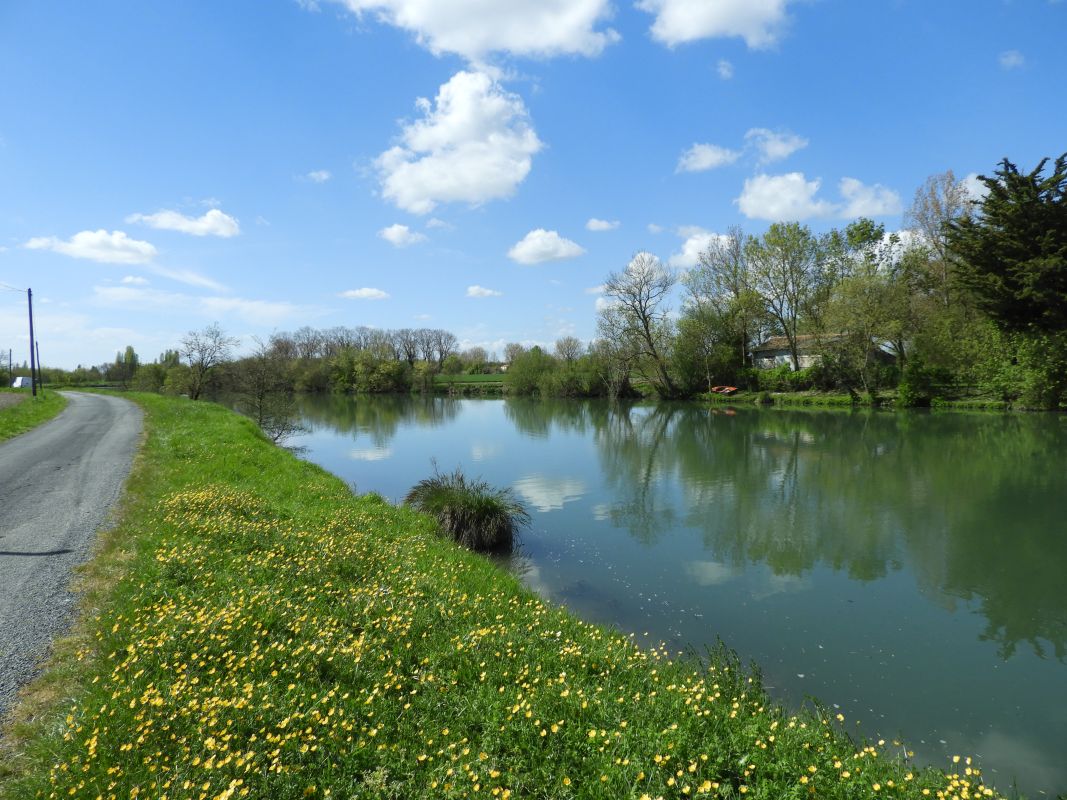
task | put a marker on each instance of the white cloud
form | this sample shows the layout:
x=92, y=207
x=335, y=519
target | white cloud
x=758, y=22
x=793, y=197
x=595, y=224
x=595, y=289
x=319, y=175
x=782, y=197
x=135, y=280
x=774, y=145
x=868, y=201
x=476, y=28
x=481, y=291
x=603, y=303
x=540, y=245
x=187, y=276
x=547, y=493
x=439, y=224
x=473, y=144
x=365, y=293
x=1011, y=59
x=975, y=189
x=108, y=248
x=702, y=157
x=370, y=453
x=213, y=223
x=401, y=235
x=697, y=240
x=725, y=69
x=654, y=228
x=422, y=316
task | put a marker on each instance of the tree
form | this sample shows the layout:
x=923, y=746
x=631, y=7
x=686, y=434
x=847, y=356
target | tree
x=940, y=200
x=407, y=344
x=722, y=285
x=265, y=393
x=788, y=274
x=1012, y=255
x=444, y=345
x=568, y=348
x=204, y=351
x=512, y=350
x=639, y=316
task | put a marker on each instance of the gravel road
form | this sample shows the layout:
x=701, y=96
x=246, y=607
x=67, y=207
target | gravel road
x=57, y=484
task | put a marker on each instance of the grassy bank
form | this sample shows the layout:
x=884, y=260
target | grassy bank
x=29, y=412
x=255, y=631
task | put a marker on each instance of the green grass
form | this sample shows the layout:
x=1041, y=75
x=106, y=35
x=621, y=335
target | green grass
x=29, y=413
x=494, y=378
x=253, y=630
x=813, y=399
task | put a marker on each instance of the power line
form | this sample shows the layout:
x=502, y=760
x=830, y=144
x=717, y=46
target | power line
x=11, y=288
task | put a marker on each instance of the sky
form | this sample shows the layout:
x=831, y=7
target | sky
x=474, y=165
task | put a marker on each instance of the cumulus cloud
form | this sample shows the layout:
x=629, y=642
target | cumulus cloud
x=481, y=291
x=595, y=224
x=782, y=197
x=725, y=69
x=793, y=197
x=701, y=157
x=109, y=248
x=474, y=143
x=1011, y=59
x=135, y=280
x=697, y=240
x=758, y=22
x=213, y=223
x=319, y=176
x=401, y=235
x=475, y=29
x=975, y=189
x=774, y=145
x=868, y=201
x=365, y=293
x=540, y=245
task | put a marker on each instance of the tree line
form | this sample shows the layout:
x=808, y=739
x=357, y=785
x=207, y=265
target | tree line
x=969, y=299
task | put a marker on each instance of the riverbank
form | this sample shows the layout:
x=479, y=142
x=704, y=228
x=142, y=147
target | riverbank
x=815, y=399
x=22, y=412
x=257, y=631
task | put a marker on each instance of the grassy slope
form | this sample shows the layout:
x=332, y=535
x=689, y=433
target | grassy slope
x=29, y=413
x=493, y=378
x=256, y=631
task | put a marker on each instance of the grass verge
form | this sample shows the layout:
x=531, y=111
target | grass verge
x=253, y=630
x=29, y=413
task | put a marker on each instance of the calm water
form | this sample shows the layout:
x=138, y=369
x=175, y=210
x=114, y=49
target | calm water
x=910, y=569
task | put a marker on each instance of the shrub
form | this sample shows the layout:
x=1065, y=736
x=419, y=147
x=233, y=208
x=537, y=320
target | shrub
x=472, y=513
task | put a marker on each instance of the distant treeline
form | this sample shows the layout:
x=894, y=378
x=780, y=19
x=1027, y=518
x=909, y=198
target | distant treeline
x=970, y=299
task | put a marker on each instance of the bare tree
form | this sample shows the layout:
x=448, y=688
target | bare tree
x=283, y=346
x=568, y=348
x=407, y=343
x=512, y=350
x=940, y=200
x=265, y=393
x=639, y=315
x=444, y=345
x=205, y=350
x=425, y=340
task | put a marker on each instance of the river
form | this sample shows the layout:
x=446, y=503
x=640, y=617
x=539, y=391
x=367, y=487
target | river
x=909, y=569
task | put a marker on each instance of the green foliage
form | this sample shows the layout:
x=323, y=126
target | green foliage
x=471, y=512
x=525, y=374
x=1013, y=254
x=362, y=372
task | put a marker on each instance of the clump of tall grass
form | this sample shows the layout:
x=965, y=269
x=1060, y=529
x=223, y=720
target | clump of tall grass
x=473, y=513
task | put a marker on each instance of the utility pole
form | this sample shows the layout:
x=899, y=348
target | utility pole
x=33, y=341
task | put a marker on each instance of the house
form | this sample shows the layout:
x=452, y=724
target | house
x=775, y=351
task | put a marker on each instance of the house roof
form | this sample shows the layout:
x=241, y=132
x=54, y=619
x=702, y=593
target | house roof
x=805, y=342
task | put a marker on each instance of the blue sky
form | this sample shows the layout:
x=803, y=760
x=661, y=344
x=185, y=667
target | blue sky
x=270, y=164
